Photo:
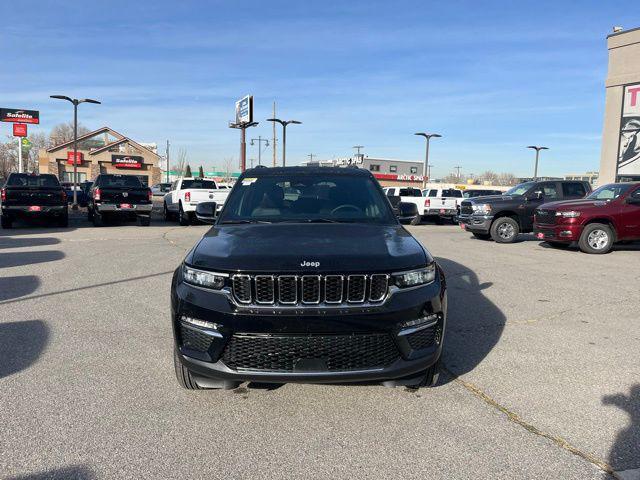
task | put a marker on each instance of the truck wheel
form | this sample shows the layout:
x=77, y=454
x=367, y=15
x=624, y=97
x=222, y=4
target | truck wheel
x=98, y=220
x=166, y=213
x=183, y=217
x=481, y=236
x=183, y=375
x=144, y=220
x=416, y=220
x=429, y=378
x=596, y=238
x=5, y=222
x=505, y=230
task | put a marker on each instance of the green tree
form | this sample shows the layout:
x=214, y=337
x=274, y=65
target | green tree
x=201, y=172
x=187, y=171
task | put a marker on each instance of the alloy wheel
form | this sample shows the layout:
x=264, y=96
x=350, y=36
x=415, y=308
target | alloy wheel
x=598, y=239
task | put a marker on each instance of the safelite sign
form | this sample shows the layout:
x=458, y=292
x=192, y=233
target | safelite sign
x=16, y=115
x=126, y=161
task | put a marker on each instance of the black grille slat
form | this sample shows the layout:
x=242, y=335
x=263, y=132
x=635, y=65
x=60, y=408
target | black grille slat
x=242, y=288
x=194, y=339
x=356, y=288
x=466, y=208
x=422, y=338
x=546, y=217
x=311, y=289
x=288, y=289
x=281, y=353
x=333, y=286
x=265, y=289
x=378, y=286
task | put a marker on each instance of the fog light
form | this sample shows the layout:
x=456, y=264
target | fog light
x=565, y=233
x=427, y=319
x=200, y=323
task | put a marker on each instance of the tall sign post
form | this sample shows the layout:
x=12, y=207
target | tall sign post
x=244, y=120
x=19, y=118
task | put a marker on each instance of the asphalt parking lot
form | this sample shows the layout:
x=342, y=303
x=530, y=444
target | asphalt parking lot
x=542, y=372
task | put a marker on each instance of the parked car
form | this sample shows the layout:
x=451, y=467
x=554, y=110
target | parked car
x=503, y=217
x=28, y=196
x=119, y=196
x=608, y=215
x=408, y=195
x=185, y=195
x=473, y=193
x=442, y=204
x=160, y=189
x=81, y=195
x=325, y=287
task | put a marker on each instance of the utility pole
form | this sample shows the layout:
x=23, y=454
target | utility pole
x=274, y=135
x=167, y=151
x=458, y=170
x=260, y=140
x=20, y=170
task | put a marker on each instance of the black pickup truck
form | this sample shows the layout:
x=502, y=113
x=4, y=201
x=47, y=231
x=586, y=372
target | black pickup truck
x=29, y=196
x=119, y=196
x=319, y=285
x=503, y=217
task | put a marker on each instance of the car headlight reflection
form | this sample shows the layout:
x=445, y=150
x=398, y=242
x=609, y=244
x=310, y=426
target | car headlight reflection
x=412, y=278
x=201, y=278
x=481, y=208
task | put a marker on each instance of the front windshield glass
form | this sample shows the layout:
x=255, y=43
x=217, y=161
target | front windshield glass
x=304, y=198
x=520, y=189
x=609, y=192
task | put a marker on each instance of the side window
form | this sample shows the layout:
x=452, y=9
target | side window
x=414, y=169
x=374, y=168
x=390, y=192
x=433, y=193
x=550, y=191
x=573, y=190
x=636, y=194
x=457, y=194
x=393, y=168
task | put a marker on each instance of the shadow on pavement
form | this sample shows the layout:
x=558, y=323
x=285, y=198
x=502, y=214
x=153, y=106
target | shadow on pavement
x=625, y=452
x=15, y=287
x=75, y=472
x=21, y=344
x=23, y=242
x=17, y=259
x=474, y=325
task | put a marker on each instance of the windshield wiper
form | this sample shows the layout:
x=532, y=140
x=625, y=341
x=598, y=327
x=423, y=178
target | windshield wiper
x=236, y=222
x=311, y=220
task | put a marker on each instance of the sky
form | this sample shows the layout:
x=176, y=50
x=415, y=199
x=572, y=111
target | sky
x=491, y=77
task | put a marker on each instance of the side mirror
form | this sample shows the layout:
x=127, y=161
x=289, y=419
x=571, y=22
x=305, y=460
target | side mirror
x=406, y=209
x=539, y=195
x=206, y=212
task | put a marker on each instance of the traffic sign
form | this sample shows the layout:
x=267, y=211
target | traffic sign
x=26, y=143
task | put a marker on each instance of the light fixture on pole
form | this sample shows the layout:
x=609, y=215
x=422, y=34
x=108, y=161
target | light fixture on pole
x=260, y=141
x=428, y=137
x=537, y=149
x=75, y=103
x=284, y=124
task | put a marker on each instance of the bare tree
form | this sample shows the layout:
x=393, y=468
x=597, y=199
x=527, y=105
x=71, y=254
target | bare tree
x=63, y=132
x=507, y=179
x=181, y=161
x=490, y=177
x=39, y=141
x=227, y=168
x=8, y=157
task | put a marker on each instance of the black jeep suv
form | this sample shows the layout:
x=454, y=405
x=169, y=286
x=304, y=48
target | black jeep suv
x=307, y=276
x=503, y=217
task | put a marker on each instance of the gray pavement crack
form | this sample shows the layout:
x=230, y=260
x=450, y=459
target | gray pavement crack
x=515, y=418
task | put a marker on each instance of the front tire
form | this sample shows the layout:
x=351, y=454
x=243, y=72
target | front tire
x=183, y=375
x=505, y=230
x=429, y=378
x=183, y=217
x=596, y=238
x=166, y=214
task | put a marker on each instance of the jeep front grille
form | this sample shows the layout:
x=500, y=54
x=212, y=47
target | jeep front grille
x=309, y=289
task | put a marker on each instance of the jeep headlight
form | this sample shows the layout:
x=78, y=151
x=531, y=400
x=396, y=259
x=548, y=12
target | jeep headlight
x=568, y=214
x=200, y=278
x=412, y=278
x=481, y=208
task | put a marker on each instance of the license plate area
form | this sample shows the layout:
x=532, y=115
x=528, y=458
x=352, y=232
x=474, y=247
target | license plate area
x=35, y=208
x=540, y=236
x=126, y=206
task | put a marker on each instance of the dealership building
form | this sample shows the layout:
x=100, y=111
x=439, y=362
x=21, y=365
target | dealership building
x=389, y=172
x=102, y=151
x=620, y=158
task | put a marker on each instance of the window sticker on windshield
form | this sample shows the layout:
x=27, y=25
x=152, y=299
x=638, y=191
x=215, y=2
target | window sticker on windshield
x=248, y=181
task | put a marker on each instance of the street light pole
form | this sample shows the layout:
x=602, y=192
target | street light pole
x=284, y=124
x=537, y=149
x=425, y=172
x=260, y=140
x=75, y=103
x=243, y=141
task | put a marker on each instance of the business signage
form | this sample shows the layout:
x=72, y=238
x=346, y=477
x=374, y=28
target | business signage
x=398, y=178
x=19, y=130
x=15, y=115
x=629, y=147
x=127, y=161
x=244, y=109
x=79, y=158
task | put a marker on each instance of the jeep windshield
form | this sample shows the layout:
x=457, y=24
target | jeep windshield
x=304, y=198
x=520, y=189
x=610, y=192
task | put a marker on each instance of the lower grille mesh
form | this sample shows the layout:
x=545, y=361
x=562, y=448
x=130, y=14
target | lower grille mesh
x=194, y=340
x=423, y=338
x=286, y=353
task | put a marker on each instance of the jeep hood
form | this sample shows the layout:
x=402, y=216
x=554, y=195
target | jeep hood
x=339, y=247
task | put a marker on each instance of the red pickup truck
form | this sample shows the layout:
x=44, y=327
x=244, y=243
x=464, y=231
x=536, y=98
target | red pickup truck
x=608, y=215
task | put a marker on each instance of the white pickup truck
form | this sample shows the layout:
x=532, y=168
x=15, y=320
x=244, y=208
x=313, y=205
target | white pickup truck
x=441, y=203
x=408, y=195
x=180, y=203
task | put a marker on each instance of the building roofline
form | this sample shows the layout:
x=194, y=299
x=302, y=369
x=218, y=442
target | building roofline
x=622, y=32
x=82, y=137
x=107, y=146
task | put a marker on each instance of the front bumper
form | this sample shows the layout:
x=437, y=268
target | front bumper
x=25, y=212
x=440, y=212
x=558, y=233
x=476, y=223
x=140, y=208
x=310, y=325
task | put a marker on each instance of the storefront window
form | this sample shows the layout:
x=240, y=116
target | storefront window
x=68, y=177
